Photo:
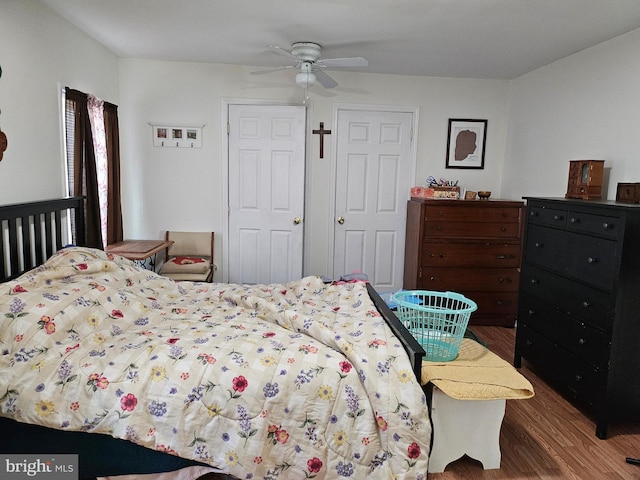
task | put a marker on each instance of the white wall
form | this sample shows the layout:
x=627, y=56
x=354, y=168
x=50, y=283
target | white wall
x=169, y=188
x=586, y=106
x=41, y=54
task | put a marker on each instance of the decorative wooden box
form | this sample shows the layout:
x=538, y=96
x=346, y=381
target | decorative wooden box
x=628, y=193
x=585, y=179
x=435, y=192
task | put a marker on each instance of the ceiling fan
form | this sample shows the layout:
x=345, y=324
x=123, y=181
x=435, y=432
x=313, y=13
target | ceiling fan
x=306, y=57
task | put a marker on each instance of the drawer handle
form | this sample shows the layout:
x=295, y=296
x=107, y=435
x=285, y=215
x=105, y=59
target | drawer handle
x=592, y=260
x=503, y=229
x=586, y=304
x=533, y=214
x=539, y=244
x=534, y=281
x=531, y=312
x=581, y=341
x=440, y=228
x=504, y=257
x=441, y=255
x=606, y=226
x=433, y=279
x=573, y=220
x=558, y=217
x=528, y=343
x=578, y=378
x=503, y=302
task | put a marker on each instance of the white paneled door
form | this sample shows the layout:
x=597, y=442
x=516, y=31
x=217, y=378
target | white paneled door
x=373, y=180
x=266, y=193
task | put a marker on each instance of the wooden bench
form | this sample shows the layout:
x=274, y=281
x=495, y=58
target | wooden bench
x=467, y=403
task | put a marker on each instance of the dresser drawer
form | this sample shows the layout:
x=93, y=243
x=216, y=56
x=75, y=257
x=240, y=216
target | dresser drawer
x=547, y=216
x=546, y=247
x=593, y=260
x=584, y=191
x=471, y=229
x=601, y=225
x=470, y=254
x=608, y=226
x=495, y=303
x=469, y=279
x=579, y=380
x=471, y=213
x=583, y=257
x=586, y=304
x=587, y=343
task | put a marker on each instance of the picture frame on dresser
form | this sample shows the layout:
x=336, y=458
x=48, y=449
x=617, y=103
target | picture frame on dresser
x=466, y=143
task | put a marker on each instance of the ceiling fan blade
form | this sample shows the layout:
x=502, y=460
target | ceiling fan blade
x=325, y=80
x=270, y=70
x=286, y=53
x=344, y=62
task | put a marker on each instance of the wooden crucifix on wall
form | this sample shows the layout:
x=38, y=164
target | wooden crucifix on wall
x=322, y=132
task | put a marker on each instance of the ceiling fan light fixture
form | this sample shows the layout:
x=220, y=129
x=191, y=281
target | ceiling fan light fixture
x=305, y=79
x=306, y=57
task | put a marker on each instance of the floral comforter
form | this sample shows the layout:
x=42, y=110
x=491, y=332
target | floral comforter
x=302, y=380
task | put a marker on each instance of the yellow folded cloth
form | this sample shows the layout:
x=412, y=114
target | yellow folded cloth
x=477, y=374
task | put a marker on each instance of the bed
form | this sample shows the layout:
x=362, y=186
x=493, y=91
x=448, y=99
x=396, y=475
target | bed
x=137, y=374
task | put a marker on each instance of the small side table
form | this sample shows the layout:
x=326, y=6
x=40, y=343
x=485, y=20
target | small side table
x=139, y=250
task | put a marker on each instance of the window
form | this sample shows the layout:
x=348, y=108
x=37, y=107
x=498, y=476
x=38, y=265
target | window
x=93, y=164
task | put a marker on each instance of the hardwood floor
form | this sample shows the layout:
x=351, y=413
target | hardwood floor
x=547, y=437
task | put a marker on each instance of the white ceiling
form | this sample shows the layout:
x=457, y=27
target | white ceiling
x=499, y=39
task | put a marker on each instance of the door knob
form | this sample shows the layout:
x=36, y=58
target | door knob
x=340, y=220
x=296, y=221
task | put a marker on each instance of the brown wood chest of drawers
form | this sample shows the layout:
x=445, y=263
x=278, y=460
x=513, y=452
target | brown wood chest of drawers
x=579, y=313
x=472, y=247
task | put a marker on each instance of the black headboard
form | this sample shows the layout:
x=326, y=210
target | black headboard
x=31, y=232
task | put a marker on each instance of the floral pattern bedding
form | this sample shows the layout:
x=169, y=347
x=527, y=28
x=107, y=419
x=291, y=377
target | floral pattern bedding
x=302, y=380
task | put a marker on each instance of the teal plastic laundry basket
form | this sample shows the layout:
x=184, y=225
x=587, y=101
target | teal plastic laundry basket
x=437, y=320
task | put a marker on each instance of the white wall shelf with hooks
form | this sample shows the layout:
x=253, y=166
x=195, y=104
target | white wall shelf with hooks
x=177, y=136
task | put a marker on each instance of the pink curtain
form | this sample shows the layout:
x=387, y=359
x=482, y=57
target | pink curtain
x=96, y=117
x=81, y=163
x=114, y=217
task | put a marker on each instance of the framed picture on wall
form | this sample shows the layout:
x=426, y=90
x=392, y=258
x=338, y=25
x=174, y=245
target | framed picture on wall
x=177, y=136
x=466, y=141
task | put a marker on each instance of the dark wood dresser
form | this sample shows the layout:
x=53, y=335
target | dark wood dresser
x=471, y=247
x=579, y=314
